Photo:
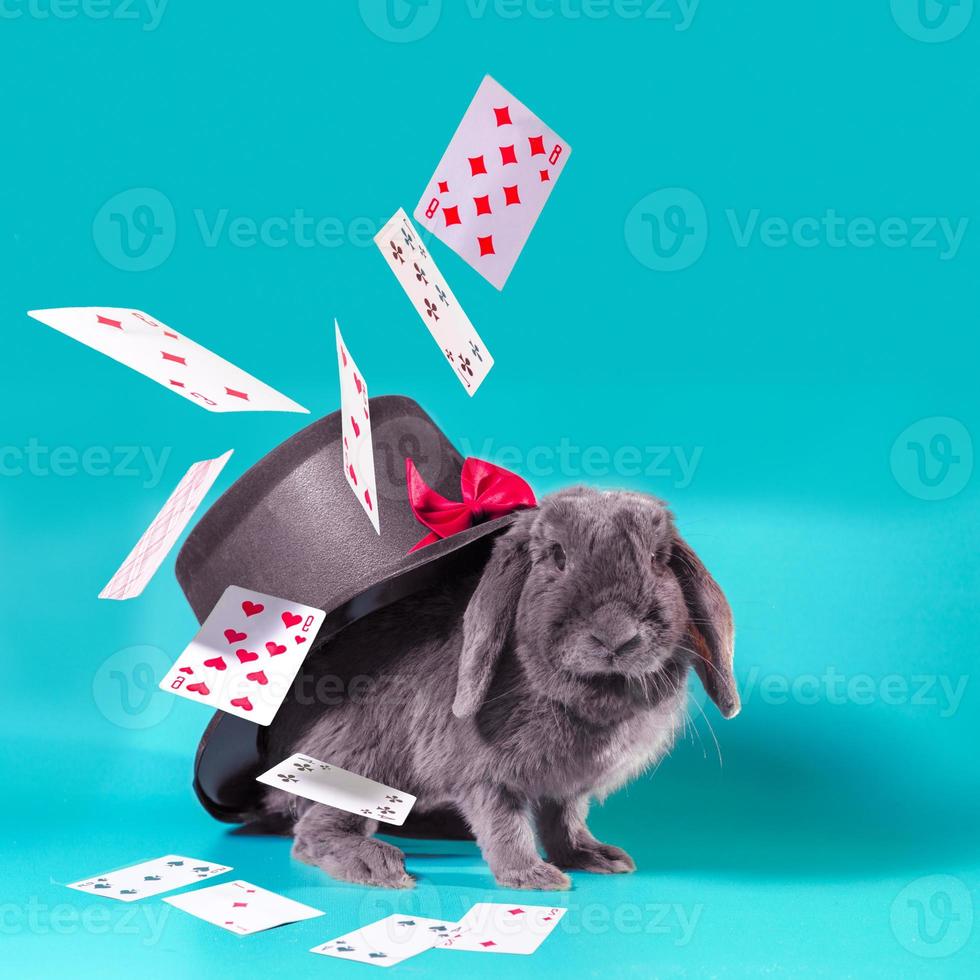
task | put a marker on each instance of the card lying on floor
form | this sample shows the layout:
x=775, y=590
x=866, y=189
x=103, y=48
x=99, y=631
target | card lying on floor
x=388, y=941
x=492, y=182
x=146, y=557
x=492, y=928
x=358, y=450
x=150, y=878
x=246, y=654
x=241, y=907
x=434, y=301
x=324, y=783
x=137, y=340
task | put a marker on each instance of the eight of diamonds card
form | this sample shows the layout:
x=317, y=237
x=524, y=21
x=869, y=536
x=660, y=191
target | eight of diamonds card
x=150, y=878
x=355, y=415
x=173, y=360
x=246, y=655
x=241, y=907
x=324, y=783
x=434, y=300
x=492, y=182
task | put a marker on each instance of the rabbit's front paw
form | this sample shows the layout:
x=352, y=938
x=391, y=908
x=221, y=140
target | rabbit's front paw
x=361, y=861
x=601, y=859
x=537, y=877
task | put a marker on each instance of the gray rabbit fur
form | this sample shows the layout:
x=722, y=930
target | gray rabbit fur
x=516, y=695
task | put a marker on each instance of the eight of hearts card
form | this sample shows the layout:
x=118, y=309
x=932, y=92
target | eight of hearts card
x=355, y=416
x=333, y=786
x=434, y=301
x=246, y=654
x=492, y=182
x=150, y=878
x=489, y=927
x=388, y=941
x=171, y=359
x=241, y=907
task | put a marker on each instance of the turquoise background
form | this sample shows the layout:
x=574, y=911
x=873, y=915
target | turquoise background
x=790, y=374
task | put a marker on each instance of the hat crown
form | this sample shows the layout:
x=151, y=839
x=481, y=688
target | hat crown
x=290, y=526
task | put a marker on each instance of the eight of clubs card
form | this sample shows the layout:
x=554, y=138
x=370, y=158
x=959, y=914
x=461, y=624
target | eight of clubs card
x=434, y=301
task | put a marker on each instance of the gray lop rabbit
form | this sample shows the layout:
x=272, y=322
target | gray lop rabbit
x=513, y=697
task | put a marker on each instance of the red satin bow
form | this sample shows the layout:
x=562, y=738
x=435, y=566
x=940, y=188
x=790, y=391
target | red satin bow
x=488, y=491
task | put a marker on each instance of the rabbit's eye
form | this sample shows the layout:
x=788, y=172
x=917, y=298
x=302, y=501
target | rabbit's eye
x=558, y=557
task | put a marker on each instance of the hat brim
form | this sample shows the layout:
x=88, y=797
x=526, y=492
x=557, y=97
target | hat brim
x=231, y=752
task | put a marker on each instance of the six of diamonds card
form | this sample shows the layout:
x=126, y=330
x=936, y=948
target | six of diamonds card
x=492, y=182
x=246, y=654
x=434, y=301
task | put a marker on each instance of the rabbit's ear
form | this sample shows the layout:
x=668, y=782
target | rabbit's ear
x=489, y=618
x=711, y=629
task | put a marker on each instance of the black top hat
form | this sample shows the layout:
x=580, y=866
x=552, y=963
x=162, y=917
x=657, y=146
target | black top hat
x=291, y=527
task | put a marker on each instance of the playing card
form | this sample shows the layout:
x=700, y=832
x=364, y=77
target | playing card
x=492, y=182
x=434, y=300
x=150, y=878
x=146, y=557
x=246, y=654
x=358, y=450
x=493, y=928
x=324, y=783
x=173, y=360
x=388, y=941
x=241, y=907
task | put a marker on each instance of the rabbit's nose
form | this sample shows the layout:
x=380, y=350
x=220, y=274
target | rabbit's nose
x=614, y=630
x=617, y=646
x=615, y=634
